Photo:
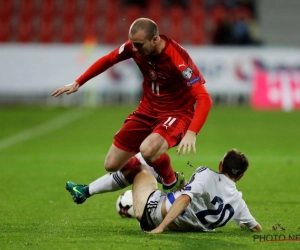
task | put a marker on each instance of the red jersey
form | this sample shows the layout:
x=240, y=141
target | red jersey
x=172, y=82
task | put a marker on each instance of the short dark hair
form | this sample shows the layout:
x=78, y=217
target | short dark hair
x=235, y=163
x=147, y=25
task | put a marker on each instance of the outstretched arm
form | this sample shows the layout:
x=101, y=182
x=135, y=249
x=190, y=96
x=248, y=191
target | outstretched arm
x=68, y=89
x=95, y=69
x=257, y=228
x=203, y=106
x=121, y=53
x=178, y=206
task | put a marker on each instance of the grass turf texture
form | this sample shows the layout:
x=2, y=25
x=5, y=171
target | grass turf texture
x=42, y=148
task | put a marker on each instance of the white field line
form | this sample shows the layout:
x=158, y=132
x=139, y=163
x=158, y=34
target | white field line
x=47, y=127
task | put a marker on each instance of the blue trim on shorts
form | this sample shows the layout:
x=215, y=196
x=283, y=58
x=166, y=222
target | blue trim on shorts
x=171, y=199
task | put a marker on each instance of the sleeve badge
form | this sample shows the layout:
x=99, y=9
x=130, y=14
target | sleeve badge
x=187, y=73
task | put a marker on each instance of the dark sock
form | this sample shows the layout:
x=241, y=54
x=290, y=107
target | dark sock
x=86, y=191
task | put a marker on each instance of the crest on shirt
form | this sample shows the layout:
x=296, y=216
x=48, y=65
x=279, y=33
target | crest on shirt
x=187, y=73
x=152, y=74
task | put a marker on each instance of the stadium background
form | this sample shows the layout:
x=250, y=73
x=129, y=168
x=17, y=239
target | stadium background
x=240, y=46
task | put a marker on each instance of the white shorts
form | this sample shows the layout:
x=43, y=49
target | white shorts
x=152, y=216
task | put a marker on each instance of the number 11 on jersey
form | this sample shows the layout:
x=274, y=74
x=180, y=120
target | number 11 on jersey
x=155, y=88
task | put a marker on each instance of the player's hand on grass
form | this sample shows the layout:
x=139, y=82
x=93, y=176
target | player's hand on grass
x=68, y=89
x=155, y=231
x=187, y=143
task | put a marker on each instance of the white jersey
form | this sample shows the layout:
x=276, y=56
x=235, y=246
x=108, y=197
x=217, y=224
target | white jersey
x=215, y=201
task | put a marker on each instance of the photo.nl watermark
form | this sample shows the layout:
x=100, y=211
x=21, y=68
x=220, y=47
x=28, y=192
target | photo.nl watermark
x=275, y=237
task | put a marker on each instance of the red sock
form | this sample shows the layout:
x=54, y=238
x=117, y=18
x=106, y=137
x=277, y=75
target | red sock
x=163, y=168
x=132, y=162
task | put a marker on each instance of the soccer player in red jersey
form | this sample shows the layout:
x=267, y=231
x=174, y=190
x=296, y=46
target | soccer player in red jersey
x=173, y=108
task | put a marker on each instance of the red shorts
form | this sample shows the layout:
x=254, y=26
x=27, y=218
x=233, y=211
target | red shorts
x=138, y=126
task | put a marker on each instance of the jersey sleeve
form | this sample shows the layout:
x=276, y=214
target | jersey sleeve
x=193, y=79
x=243, y=216
x=196, y=185
x=203, y=106
x=121, y=53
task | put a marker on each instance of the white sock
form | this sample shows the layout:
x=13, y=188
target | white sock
x=141, y=159
x=157, y=177
x=108, y=183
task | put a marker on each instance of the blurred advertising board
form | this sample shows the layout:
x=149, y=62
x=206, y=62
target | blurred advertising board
x=276, y=89
x=36, y=69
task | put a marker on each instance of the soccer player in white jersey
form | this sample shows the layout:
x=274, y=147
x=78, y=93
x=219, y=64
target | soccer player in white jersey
x=208, y=201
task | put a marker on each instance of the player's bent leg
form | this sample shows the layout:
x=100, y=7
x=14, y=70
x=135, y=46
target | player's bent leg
x=153, y=150
x=79, y=192
x=151, y=169
x=178, y=185
x=116, y=158
x=153, y=147
x=143, y=185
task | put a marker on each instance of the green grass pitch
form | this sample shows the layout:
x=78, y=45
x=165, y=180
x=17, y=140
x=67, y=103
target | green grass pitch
x=41, y=148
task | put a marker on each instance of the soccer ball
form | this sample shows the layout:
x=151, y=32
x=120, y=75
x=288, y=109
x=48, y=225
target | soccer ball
x=124, y=204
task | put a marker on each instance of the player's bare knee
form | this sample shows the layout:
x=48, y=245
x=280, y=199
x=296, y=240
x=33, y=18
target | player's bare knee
x=147, y=151
x=110, y=166
x=147, y=154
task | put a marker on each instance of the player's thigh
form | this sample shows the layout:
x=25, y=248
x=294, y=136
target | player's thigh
x=173, y=128
x=116, y=158
x=153, y=147
x=143, y=185
x=132, y=134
